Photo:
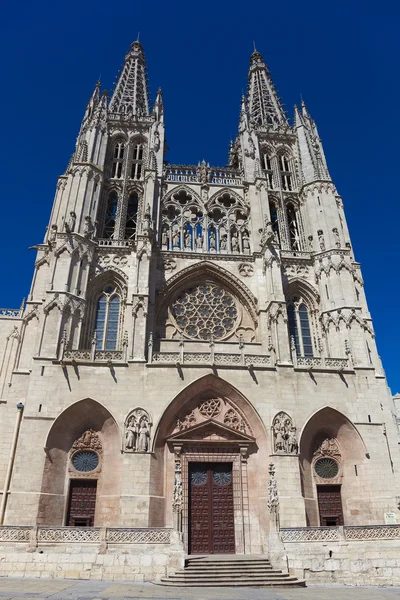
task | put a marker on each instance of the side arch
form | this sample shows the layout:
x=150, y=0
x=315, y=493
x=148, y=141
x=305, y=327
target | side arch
x=329, y=426
x=69, y=426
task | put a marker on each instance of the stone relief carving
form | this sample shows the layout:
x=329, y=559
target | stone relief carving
x=177, y=497
x=217, y=409
x=273, y=498
x=137, y=431
x=169, y=265
x=321, y=239
x=284, y=434
x=246, y=270
x=89, y=440
x=329, y=447
x=118, y=260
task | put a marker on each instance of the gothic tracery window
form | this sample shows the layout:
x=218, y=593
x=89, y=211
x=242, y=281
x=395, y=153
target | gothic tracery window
x=285, y=173
x=268, y=170
x=137, y=162
x=111, y=215
x=299, y=327
x=294, y=238
x=107, y=319
x=131, y=216
x=118, y=160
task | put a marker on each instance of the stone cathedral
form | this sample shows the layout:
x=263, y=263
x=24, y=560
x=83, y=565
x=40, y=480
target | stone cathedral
x=196, y=353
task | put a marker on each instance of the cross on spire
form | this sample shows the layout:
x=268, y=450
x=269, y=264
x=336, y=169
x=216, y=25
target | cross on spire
x=263, y=103
x=130, y=95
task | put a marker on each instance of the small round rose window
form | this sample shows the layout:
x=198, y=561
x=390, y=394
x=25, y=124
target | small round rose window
x=326, y=468
x=205, y=311
x=85, y=461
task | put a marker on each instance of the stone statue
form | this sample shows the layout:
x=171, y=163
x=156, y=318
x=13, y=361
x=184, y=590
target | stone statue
x=234, y=243
x=336, y=236
x=292, y=441
x=164, y=238
x=310, y=243
x=203, y=172
x=273, y=498
x=143, y=437
x=147, y=220
x=224, y=243
x=212, y=241
x=131, y=434
x=53, y=235
x=156, y=142
x=199, y=242
x=284, y=434
x=70, y=224
x=175, y=239
x=246, y=242
x=88, y=229
x=321, y=239
x=188, y=240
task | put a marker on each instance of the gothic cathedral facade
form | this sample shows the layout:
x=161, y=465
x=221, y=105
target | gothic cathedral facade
x=196, y=350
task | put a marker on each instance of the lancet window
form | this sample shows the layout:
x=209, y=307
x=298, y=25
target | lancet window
x=118, y=160
x=268, y=170
x=294, y=238
x=220, y=227
x=274, y=218
x=107, y=319
x=131, y=216
x=111, y=215
x=299, y=327
x=285, y=173
x=137, y=162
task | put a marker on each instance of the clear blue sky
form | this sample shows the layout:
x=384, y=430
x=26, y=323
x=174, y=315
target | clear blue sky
x=342, y=56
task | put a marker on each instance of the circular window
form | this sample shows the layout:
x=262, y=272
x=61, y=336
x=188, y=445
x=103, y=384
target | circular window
x=85, y=461
x=204, y=311
x=326, y=468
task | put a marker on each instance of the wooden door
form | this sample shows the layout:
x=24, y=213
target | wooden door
x=82, y=502
x=330, y=505
x=211, y=518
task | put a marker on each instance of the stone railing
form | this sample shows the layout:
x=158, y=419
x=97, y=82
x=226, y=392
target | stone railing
x=191, y=174
x=211, y=358
x=320, y=362
x=85, y=535
x=335, y=534
x=182, y=173
x=114, y=243
x=11, y=313
x=223, y=176
x=103, y=356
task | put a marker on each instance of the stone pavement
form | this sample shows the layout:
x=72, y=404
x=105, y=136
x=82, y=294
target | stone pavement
x=62, y=589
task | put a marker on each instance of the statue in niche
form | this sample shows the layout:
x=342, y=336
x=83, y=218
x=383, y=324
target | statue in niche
x=188, y=240
x=199, y=242
x=310, y=243
x=234, y=242
x=88, y=229
x=131, y=434
x=53, y=236
x=284, y=434
x=336, y=236
x=203, y=172
x=143, y=437
x=321, y=239
x=146, y=227
x=175, y=239
x=246, y=242
x=137, y=431
x=212, y=241
x=70, y=224
x=164, y=238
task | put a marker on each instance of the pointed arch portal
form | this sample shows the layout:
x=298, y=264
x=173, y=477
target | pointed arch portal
x=208, y=443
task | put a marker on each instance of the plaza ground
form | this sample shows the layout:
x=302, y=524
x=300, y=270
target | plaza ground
x=39, y=589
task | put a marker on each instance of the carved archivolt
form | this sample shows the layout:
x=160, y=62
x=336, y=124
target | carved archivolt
x=284, y=434
x=217, y=409
x=137, y=431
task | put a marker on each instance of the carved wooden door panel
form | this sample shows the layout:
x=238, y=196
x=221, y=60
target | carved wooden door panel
x=330, y=505
x=211, y=519
x=82, y=503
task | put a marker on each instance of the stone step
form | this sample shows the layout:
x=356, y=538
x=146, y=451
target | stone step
x=244, y=582
x=233, y=572
x=187, y=577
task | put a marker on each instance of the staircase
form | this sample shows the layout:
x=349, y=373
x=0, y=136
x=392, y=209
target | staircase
x=230, y=571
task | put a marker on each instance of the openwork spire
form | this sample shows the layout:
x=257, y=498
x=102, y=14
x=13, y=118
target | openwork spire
x=130, y=95
x=263, y=103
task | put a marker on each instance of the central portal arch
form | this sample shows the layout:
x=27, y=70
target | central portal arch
x=212, y=450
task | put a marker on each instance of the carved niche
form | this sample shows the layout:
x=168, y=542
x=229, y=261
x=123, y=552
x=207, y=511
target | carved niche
x=284, y=434
x=137, y=431
x=217, y=409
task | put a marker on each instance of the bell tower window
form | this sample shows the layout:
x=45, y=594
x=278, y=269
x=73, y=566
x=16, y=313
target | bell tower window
x=131, y=216
x=286, y=175
x=118, y=160
x=111, y=215
x=274, y=218
x=137, y=162
x=294, y=237
x=268, y=170
x=299, y=327
x=107, y=320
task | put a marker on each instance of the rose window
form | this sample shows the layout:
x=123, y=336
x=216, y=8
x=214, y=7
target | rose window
x=326, y=468
x=205, y=311
x=85, y=461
